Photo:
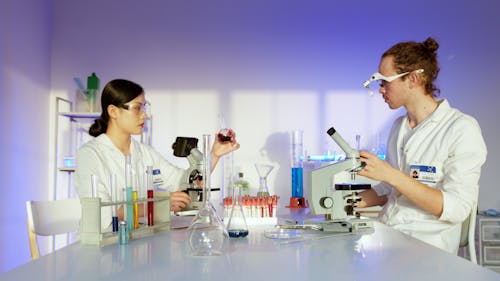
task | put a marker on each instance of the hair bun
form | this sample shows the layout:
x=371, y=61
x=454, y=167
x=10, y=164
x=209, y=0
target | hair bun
x=431, y=44
x=99, y=127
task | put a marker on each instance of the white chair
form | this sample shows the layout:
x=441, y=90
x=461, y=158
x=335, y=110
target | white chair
x=467, y=237
x=47, y=218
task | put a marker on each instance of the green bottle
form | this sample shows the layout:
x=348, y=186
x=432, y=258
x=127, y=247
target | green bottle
x=92, y=91
x=243, y=184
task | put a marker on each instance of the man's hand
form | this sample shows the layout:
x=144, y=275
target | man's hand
x=375, y=168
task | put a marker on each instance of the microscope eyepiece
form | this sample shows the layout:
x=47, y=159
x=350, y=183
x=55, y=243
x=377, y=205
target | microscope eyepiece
x=183, y=145
x=331, y=131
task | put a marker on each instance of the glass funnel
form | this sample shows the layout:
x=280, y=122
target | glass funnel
x=206, y=232
x=263, y=170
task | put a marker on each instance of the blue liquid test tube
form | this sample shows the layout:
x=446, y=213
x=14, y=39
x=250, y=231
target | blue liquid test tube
x=128, y=191
x=113, y=189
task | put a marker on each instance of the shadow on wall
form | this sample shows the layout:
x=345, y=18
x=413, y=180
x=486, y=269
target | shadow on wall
x=277, y=151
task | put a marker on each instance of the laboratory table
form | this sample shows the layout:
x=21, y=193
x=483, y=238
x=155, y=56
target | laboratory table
x=381, y=254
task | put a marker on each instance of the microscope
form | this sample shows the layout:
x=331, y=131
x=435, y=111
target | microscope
x=192, y=179
x=334, y=190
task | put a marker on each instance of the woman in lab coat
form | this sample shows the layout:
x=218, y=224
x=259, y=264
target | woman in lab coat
x=429, y=183
x=124, y=113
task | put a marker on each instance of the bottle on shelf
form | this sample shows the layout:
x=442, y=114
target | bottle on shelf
x=242, y=184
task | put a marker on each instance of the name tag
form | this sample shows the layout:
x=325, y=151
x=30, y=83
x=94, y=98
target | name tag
x=423, y=173
x=157, y=179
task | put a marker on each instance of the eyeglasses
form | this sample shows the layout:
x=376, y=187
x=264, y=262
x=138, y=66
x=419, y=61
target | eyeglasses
x=137, y=108
x=379, y=77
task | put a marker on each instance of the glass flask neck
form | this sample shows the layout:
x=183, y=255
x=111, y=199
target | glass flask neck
x=237, y=195
x=263, y=184
x=206, y=232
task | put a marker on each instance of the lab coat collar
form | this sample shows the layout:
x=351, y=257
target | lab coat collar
x=105, y=141
x=441, y=110
x=436, y=116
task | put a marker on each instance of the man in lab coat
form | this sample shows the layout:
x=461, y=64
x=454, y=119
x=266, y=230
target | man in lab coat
x=429, y=183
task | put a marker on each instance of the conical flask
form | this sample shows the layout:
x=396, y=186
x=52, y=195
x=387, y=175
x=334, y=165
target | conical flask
x=263, y=170
x=237, y=224
x=206, y=232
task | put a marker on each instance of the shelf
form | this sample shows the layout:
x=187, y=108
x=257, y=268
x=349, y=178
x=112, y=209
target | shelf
x=80, y=114
x=66, y=169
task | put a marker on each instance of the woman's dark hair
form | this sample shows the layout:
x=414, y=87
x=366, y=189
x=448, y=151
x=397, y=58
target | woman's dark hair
x=410, y=56
x=117, y=92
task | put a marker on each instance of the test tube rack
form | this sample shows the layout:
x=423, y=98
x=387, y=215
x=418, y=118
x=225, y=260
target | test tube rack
x=90, y=225
x=256, y=214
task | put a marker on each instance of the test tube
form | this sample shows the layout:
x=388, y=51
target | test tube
x=113, y=189
x=136, y=194
x=135, y=209
x=151, y=210
x=128, y=191
x=124, y=205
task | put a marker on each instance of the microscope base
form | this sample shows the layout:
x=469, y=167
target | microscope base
x=347, y=225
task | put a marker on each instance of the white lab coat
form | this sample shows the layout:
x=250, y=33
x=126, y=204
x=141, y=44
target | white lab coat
x=102, y=158
x=446, y=151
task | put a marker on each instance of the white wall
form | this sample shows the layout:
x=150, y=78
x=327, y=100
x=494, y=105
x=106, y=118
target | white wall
x=25, y=35
x=268, y=66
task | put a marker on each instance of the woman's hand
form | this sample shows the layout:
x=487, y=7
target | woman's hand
x=178, y=200
x=225, y=143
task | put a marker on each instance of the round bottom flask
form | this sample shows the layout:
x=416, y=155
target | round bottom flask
x=206, y=234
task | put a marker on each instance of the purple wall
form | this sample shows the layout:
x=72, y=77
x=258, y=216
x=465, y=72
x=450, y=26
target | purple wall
x=225, y=45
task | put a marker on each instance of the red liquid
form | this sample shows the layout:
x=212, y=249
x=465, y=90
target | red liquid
x=151, y=209
x=223, y=138
x=225, y=135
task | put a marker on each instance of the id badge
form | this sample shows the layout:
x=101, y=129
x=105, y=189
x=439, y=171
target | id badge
x=157, y=178
x=423, y=173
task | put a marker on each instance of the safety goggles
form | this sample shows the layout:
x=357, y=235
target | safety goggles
x=137, y=108
x=379, y=77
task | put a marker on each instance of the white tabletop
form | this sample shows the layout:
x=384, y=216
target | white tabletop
x=384, y=254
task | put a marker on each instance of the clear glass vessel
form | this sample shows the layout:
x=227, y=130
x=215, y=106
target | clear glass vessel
x=263, y=170
x=206, y=232
x=237, y=224
x=296, y=163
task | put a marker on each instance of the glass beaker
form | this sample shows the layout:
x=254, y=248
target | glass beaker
x=263, y=170
x=237, y=224
x=206, y=232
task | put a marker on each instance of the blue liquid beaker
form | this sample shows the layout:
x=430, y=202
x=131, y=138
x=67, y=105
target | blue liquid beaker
x=297, y=182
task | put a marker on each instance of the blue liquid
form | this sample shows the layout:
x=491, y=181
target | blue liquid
x=130, y=208
x=115, y=224
x=236, y=233
x=297, y=184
